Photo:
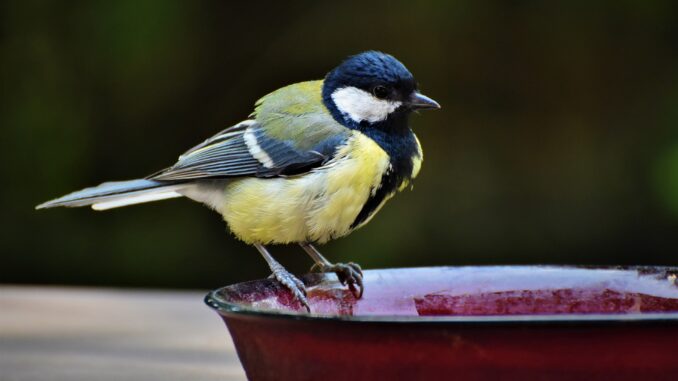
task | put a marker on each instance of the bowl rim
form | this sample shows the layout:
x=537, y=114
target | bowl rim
x=229, y=309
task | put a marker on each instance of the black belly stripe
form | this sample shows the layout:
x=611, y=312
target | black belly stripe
x=401, y=149
x=387, y=186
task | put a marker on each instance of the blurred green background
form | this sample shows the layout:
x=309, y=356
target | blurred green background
x=557, y=141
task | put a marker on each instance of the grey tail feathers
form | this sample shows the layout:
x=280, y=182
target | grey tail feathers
x=116, y=194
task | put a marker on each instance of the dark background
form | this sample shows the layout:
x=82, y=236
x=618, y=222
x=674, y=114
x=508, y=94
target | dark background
x=557, y=141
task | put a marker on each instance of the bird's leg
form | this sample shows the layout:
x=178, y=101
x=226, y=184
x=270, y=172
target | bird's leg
x=288, y=280
x=348, y=273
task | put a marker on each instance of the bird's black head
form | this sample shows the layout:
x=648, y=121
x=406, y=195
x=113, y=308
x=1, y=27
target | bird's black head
x=373, y=89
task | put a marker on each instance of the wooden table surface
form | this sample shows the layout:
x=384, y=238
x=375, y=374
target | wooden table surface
x=62, y=333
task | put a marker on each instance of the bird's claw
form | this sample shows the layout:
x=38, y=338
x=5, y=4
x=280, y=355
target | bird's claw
x=293, y=284
x=348, y=274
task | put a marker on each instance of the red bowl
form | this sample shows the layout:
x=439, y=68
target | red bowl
x=462, y=323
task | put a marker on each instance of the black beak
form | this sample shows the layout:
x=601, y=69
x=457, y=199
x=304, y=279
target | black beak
x=420, y=101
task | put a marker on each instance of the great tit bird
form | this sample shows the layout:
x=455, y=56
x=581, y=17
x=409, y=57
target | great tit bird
x=314, y=161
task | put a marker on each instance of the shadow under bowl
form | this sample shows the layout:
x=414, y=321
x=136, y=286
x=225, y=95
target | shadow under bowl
x=462, y=323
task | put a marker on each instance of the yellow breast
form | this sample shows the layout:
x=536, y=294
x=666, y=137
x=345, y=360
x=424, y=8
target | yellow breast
x=314, y=207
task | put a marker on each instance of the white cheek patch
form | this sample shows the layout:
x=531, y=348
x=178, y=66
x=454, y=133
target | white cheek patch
x=360, y=105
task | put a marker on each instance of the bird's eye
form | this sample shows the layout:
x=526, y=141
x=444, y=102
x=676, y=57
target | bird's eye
x=380, y=91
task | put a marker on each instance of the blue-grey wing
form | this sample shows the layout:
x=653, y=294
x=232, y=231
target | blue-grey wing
x=247, y=150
